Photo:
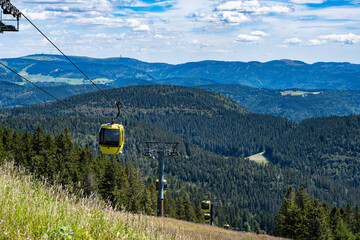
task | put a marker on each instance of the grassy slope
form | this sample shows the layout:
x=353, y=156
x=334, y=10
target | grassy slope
x=30, y=209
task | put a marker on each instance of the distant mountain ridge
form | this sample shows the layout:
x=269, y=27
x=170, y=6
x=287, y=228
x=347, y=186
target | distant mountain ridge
x=277, y=74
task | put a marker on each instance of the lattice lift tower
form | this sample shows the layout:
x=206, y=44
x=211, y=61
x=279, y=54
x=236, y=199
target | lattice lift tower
x=160, y=151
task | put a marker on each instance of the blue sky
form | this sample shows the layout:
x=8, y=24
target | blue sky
x=177, y=31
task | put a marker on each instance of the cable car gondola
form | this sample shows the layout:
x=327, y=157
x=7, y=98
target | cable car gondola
x=112, y=136
x=206, y=206
x=207, y=217
x=164, y=184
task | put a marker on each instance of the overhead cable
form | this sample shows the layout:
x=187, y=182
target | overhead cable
x=41, y=89
x=109, y=98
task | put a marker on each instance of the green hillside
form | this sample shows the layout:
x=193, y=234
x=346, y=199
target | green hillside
x=295, y=104
x=214, y=132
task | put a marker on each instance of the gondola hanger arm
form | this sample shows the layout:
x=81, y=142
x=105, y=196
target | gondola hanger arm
x=117, y=103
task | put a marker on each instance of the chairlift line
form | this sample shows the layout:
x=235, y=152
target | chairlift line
x=59, y=100
x=109, y=98
x=111, y=136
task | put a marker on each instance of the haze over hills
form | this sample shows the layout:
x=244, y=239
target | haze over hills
x=214, y=134
x=277, y=74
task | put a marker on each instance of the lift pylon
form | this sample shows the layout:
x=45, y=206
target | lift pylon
x=160, y=151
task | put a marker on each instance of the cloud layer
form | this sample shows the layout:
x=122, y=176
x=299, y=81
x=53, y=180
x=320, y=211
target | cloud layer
x=240, y=11
x=187, y=30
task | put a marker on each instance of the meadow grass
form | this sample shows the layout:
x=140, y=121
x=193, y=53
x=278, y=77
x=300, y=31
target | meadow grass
x=258, y=158
x=32, y=209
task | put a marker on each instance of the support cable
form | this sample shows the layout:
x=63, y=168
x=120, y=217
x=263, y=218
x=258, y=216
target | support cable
x=117, y=103
x=42, y=90
x=109, y=98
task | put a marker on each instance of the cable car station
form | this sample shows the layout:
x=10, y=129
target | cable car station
x=9, y=9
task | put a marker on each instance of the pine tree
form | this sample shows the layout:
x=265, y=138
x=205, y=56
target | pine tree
x=7, y=140
x=170, y=206
x=285, y=217
x=147, y=203
x=2, y=152
x=349, y=218
x=317, y=222
x=357, y=220
x=38, y=142
x=114, y=184
x=199, y=213
x=135, y=188
x=303, y=205
x=339, y=229
x=185, y=209
x=88, y=168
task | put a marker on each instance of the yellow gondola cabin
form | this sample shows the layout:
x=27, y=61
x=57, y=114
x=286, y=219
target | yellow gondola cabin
x=207, y=217
x=111, y=138
x=165, y=185
x=206, y=206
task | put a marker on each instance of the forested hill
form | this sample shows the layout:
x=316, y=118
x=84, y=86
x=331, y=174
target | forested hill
x=277, y=74
x=295, y=104
x=199, y=116
x=214, y=134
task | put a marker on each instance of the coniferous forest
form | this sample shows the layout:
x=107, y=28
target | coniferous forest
x=59, y=161
x=215, y=135
x=300, y=217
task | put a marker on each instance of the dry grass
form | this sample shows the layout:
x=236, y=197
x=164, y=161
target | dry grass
x=33, y=210
x=187, y=230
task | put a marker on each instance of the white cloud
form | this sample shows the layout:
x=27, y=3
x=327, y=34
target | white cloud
x=203, y=17
x=316, y=42
x=98, y=21
x=45, y=15
x=349, y=38
x=105, y=36
x=142, y=27
x=233, y=17
x=253, y=37
x=259, y=33
x=58, y=32
x=245, y=38
x=252, y=7
x=241, y=11
x=293, y=41
x=137, y=25
x=159, y=36
x=308, y=1
x=198, y=43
